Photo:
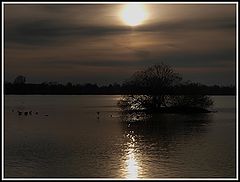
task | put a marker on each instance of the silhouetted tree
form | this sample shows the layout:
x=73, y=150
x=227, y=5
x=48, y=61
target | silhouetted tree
x=19, y=80
x=157, y=83
x=197, y=101
x=156, y=79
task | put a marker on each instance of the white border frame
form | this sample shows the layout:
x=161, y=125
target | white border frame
x=18, y=3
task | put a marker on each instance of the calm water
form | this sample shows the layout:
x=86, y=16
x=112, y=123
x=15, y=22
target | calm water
x=66, y=139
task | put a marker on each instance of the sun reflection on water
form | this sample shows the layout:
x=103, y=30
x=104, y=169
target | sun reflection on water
x=132, y=165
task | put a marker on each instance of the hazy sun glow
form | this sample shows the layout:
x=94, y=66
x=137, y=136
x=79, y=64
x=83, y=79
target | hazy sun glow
x=133, y=14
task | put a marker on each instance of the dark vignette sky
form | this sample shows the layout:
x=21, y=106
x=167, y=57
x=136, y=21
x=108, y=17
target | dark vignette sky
x=90, y=43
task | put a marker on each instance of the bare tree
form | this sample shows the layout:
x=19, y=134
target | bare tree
x=20, y=80
x=157, y=82
x=157, y=77
x=197, y=101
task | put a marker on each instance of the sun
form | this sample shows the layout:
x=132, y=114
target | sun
x=133, y=14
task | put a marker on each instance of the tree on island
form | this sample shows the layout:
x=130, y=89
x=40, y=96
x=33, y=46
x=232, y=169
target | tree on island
x=156, y=93
x=19, y=80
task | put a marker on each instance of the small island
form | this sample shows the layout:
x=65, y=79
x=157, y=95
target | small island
x=157, y=84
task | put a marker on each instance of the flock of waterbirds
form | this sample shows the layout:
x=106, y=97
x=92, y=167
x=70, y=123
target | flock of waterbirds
x=26, y=113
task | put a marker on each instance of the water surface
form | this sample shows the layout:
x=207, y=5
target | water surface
x=68, y=139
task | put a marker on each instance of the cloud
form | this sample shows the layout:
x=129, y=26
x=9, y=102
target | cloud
x=54, y=31
x=45, y=32
x=67, y=40
x=189, y=24
x=184, y=59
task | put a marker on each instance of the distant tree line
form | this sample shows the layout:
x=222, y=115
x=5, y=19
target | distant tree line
x=19, y=86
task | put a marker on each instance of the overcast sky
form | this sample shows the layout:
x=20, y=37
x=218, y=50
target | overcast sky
x=91, y=43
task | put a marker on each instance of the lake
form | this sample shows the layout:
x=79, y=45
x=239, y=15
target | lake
x=65, y=137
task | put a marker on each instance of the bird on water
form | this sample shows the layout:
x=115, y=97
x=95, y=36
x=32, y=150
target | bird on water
x=98, y=114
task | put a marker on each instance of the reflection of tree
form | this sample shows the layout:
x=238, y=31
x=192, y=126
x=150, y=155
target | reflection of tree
x=162, y=123
x=156, y=138
x=164, y=127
